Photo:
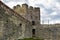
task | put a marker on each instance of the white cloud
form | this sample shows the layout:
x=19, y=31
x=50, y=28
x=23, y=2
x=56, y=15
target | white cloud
x=1, y=0
x=51, y=22
x=54, y=21
x=15, y=0
x=11, y=3
x=58, y=5
x=54, y=14
x=46, y=3
x=52, y=4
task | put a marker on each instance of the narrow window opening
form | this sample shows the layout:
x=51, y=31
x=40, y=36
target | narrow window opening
x=20, y=24
x=33, y=22
x=7, y=21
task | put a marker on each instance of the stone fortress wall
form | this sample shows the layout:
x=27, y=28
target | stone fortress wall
x=12, y=25
x=19, y=24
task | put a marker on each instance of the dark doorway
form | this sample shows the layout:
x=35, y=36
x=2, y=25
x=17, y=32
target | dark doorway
x=33, y=32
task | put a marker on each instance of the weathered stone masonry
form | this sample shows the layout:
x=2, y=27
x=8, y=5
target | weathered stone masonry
x=12, y=25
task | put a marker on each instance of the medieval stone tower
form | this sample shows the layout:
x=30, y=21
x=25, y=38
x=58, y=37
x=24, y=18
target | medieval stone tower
x=32, y=14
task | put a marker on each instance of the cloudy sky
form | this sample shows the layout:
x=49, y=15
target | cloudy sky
x=50, y=9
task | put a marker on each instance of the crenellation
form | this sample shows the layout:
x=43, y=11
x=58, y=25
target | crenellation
x=25, y=5
x=14, y=7
x=31, y=7
x=18, y=5
x=36, y=9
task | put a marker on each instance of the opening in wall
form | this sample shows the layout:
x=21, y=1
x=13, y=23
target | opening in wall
x=33, y=32
x=20, y=24
x=33, y=22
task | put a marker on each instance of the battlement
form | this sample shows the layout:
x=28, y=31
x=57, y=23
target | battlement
x=36, y=9
x=17, y=6
x=25, y=5
x=31, y=8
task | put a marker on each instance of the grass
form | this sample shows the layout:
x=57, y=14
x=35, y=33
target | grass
x=30, y=39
